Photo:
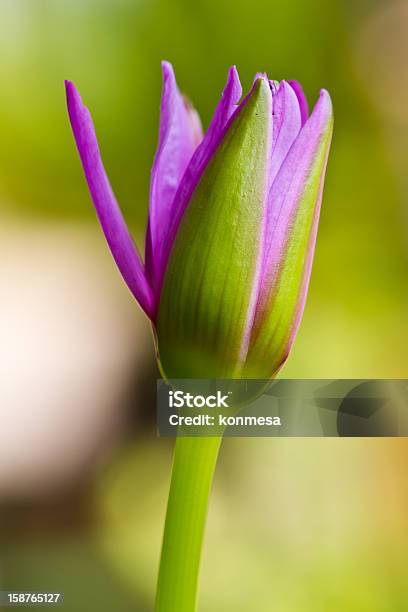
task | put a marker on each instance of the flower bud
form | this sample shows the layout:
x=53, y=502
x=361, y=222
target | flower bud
x=232, y=225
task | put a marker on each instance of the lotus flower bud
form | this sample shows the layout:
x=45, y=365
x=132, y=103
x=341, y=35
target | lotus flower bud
x=232, y=225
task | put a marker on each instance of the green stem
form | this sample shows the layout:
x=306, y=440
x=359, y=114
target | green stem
x=192, y=474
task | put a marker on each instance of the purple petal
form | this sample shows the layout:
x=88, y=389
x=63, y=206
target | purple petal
x=303, y=105
x=286, y=125
x=107, y=209
x=284, y=199
x=226, y=107
x=260, y=75
x=180, y=134
x=322, y=112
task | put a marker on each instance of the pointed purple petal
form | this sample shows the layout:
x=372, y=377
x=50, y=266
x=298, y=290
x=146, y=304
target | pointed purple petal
x=286, y=125
x=303, y=105
x=323, y=114
x=225, y=109
x=294, y=208
x=107, y=209
x=180, y=133
x=260, y=75
x=289, y=183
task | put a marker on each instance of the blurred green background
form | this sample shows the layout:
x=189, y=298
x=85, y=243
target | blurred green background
x=295, y=525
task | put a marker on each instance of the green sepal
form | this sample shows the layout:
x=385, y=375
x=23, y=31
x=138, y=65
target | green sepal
x=208, y=285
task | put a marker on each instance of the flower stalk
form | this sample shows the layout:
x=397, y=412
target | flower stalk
x=192, y=475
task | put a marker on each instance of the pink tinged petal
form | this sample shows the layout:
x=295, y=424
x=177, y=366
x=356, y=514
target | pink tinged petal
x=289, y=185
x=180, y=134
x=286, y=125
x=107, y=209
x=223, y=113
x=303, y=105
x=294, y=202
x=226, y=107
x=259, y=75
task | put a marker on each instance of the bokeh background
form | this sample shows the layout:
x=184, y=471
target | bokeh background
x=294, y=525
